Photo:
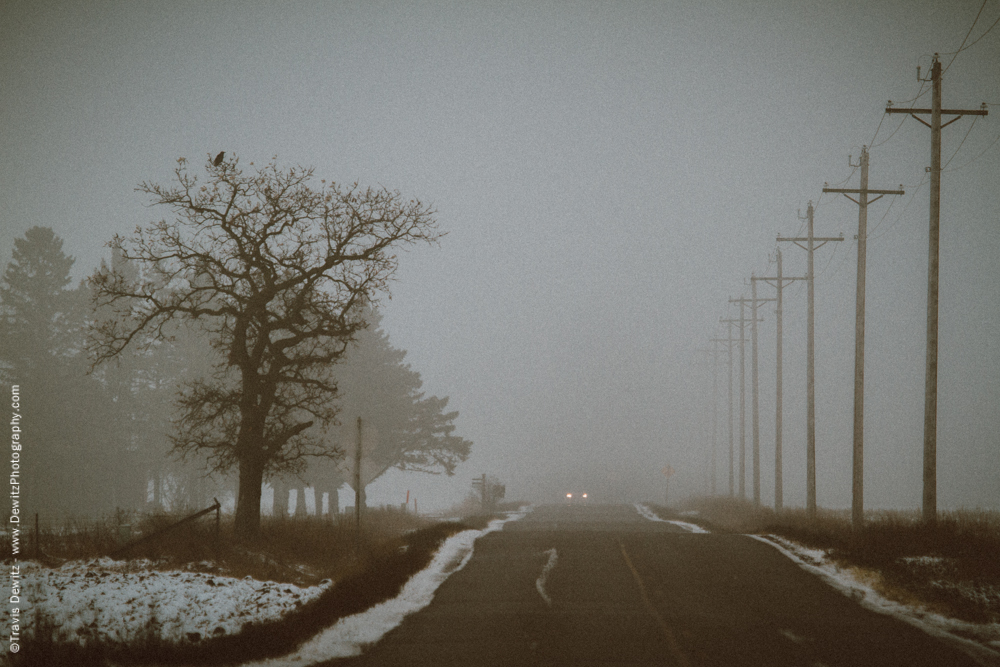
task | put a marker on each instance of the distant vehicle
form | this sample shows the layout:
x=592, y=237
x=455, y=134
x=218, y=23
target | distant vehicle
x=576, y=497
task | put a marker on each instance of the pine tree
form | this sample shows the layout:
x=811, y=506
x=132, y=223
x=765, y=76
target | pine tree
x=36, y=323
x=411, y=431
x=68, y=457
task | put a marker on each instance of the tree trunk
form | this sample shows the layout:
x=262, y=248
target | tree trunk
x=300, y=502
x=247, y=520
x=197, y=493
x=157, y=491
x=279, y=508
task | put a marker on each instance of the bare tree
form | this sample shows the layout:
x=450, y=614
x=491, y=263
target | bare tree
x=272, y=269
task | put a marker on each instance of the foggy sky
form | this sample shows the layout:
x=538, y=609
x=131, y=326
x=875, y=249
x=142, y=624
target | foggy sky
x=609, y=174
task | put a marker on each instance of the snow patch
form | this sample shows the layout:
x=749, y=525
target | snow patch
x=108, y=600
x=543, y=577
x=348, y=636
x=850, y=584
x=649, y=514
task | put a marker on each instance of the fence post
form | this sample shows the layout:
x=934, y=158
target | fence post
x=216, y=508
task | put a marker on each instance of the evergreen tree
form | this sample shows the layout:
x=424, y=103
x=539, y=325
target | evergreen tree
x=409, y=431
x=36, y=322
x=69, y=456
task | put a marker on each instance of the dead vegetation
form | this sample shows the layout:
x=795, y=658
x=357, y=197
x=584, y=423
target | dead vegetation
x=367, y=568
x=952, y=566
x=301, y=551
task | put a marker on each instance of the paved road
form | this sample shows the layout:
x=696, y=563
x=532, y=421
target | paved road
x=623, y=590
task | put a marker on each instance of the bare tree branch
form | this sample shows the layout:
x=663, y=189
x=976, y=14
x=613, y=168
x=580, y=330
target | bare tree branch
x=273, y=269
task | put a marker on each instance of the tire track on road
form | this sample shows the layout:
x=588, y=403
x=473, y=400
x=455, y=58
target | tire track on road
x=672, y=644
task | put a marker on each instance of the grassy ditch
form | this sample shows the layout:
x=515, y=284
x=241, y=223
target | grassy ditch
x=301, y=551
x=952, y=567
x=367, y=570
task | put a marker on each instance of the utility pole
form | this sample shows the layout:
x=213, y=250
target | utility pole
x=730, y=340
x=710, y=474
x=858, y=472
x=743, y=442
x=755, y=412
x=930, y=377
x=743, y=402
x=481, y=483
x=779, y=284
x=810, y=240
x=715, y=412
x=357, y=481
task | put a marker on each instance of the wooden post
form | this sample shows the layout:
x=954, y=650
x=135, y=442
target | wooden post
x=858, y=470
x=357, y=481
x=755, y=417
x=779, y=284
x=933, y=262
x=811, y=246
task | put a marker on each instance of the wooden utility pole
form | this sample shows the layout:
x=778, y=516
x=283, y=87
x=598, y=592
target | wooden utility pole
x=754, y=300
x=742, y=340
x=858, y=471
x=729, y=342
x=357, y=481
x=779, y=284
x=811, y=246
x=710, y=470
x=742, y=320
x=713, y=487
x=482, y=484
x=715, y=404
x=754, y=384
x=715, y=412
x=933, y=253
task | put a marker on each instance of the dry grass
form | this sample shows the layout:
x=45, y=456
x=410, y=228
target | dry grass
x=952, y=566
x=378, y=574
x=303, y=551
x=368, y=568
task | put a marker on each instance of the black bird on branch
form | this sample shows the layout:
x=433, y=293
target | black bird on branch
x=218, y=159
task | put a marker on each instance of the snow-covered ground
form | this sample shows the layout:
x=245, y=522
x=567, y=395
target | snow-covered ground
x=116, y=600
x=980, y=640
x=651, y=515
x=346, y=637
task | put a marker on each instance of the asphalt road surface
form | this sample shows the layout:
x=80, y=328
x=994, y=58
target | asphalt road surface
x=600, y=585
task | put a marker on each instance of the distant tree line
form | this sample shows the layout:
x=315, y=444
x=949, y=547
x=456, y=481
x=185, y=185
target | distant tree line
x=239, y=339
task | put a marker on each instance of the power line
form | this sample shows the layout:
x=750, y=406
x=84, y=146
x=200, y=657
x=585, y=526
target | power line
x=971, y=125
x=880, y=121
x=984, y=151
x=962, y=45
x=965, y=47
x=982, y=35
x=920, y=93
x=884, y=141
x=902, y=213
